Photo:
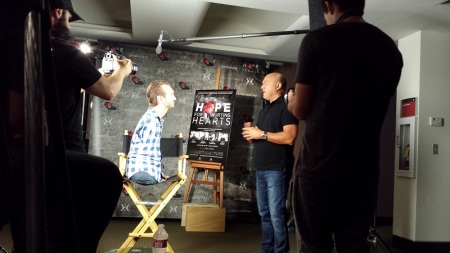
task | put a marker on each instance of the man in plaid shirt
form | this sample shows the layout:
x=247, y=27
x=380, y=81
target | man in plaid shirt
x=144, y=158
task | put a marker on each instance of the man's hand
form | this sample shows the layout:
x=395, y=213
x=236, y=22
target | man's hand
x=291, y=95
x=252, y=133
x=109, y=85
x=124, y=65
x=302, y=101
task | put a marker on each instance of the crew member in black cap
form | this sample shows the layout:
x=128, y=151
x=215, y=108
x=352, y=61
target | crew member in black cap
x=66, y=5
x=74, y=71
x=95, y=182
x=94, y=203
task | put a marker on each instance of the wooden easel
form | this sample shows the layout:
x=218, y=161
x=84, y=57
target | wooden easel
x=217, y=167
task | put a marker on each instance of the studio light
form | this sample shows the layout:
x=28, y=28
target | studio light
x=85, y=48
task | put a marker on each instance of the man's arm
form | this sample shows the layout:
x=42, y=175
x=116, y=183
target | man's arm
x=287, y=136
x=108, y=86
x=301, y=101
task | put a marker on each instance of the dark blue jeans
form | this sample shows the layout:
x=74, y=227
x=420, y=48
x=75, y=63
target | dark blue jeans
x=143, y=178
x=271, y=189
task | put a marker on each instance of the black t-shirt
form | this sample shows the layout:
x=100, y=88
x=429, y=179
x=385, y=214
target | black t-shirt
x=74, y=71
x=354, y=69
x=268, y=155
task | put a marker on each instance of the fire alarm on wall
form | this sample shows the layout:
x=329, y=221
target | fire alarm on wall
x=439, y=122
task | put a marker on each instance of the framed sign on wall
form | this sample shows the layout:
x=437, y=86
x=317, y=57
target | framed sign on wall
x=408, y=107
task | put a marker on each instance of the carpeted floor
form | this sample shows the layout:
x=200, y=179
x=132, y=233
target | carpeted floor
x=237, y=238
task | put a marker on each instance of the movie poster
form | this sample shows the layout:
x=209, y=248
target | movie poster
x=209, y=135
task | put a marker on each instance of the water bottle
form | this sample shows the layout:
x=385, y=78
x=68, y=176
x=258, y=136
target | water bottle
x=160, y=238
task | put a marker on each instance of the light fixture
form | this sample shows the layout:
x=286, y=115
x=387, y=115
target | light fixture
x=184, y=86
x=207, y=62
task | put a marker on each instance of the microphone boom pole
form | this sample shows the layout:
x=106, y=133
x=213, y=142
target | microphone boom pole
x=243, y=36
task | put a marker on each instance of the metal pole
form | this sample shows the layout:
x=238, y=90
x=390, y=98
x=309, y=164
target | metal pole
x=243, y=36
x=34, y=138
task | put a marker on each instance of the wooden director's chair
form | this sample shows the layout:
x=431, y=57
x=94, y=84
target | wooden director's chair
x=170, y=147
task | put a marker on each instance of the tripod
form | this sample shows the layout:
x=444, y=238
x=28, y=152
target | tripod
x=3, y=249
x=376, y=242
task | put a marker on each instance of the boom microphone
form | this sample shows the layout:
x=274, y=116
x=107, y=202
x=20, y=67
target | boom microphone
x=159, y=48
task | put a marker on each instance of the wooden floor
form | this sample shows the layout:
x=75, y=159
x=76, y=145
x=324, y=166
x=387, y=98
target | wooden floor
x=238, y=238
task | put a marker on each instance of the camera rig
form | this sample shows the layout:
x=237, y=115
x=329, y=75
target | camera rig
x=108, y=62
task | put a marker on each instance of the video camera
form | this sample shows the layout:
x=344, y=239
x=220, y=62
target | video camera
x=108, y=62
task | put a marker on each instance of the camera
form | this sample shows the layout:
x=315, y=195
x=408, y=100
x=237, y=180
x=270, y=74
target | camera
x=108, y=62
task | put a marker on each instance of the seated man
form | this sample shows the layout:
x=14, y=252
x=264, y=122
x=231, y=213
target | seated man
x=144, y=158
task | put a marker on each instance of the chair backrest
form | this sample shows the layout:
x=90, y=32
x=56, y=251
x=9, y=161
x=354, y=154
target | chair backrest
x=126, y=141
x=171, y=147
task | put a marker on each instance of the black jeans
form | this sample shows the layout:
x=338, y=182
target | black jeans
x=333, y=215
x=95, y=184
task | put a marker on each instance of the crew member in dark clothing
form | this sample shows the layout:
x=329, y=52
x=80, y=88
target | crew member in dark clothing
x=75, y=72
x=95, y=182
x=347, y=73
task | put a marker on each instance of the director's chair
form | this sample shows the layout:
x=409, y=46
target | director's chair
x=170, y=147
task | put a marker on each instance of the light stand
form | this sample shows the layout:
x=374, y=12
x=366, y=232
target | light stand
x=374, y=238
x=3, y=249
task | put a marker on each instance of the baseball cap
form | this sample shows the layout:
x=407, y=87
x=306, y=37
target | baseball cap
x=66, y=5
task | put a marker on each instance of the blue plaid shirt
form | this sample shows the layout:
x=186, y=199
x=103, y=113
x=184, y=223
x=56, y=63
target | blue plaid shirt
x=145, y=152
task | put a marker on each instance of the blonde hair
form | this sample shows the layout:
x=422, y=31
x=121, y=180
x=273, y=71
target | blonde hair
x=154, y=90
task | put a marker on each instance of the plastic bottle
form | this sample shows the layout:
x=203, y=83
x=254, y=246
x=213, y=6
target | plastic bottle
x=160, y=238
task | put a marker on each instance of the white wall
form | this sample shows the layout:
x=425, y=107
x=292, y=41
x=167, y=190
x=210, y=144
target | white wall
x=405, y=189
x=422, y=204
